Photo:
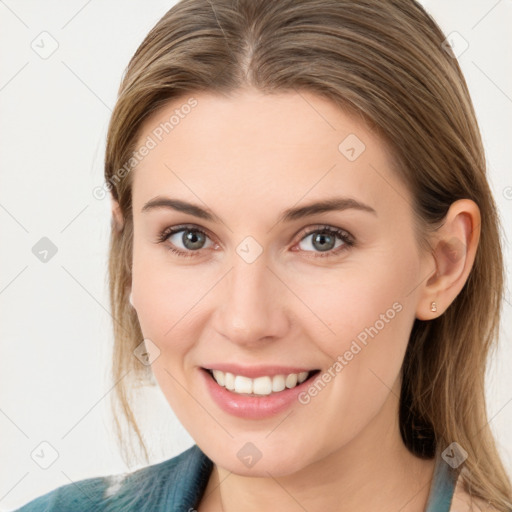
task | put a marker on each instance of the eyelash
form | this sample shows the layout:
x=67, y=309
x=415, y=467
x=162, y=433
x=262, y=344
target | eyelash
x=347, y=239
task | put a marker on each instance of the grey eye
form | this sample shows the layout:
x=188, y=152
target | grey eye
x=322, y=241
x=191, y=239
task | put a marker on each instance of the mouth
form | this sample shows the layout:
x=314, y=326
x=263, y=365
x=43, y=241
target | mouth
x=261, y=386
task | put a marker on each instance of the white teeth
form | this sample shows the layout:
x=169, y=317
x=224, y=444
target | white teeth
x=278, y=383
x=302, y=377
x=243, y=384
x=229, y=381
x=219, y=377
x=259, y=386
x=291, y=380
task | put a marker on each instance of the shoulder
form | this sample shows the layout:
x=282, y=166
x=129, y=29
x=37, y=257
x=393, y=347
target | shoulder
x=146, y=487
x=81, y=495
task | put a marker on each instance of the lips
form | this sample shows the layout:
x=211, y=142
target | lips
x=265, y=402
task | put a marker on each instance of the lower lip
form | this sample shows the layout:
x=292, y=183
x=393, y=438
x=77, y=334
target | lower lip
x=252, y=407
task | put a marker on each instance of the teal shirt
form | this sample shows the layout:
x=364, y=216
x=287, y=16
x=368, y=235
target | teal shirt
x=177, y=485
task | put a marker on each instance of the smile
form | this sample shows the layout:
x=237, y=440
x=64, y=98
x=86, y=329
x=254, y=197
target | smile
x=259, y=386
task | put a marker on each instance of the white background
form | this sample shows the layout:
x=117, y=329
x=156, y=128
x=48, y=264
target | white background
x=55, y=326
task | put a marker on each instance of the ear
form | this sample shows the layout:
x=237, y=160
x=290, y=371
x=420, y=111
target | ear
x=454, y=248
x=117, y=215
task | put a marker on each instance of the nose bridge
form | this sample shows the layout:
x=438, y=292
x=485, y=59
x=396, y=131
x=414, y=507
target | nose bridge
x=251, y=306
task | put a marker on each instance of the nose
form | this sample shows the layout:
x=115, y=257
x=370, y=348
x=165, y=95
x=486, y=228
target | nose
x=252, y=304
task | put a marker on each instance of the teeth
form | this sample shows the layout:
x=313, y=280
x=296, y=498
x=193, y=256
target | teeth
x=229, y=381
x=291, y=380
x=219, y=377
x=243, y=384
x=302, y=377
x=278, y=383
x=259, y=386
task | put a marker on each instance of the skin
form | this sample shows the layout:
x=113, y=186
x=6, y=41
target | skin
x=247, y=157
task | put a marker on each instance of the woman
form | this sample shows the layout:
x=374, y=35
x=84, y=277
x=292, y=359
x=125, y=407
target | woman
x=305, y=255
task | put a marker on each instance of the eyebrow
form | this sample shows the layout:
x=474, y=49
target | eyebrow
x=326, y=205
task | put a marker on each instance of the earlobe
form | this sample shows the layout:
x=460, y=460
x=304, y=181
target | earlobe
x=454, y=251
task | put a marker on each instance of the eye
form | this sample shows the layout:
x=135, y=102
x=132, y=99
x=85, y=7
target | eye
x=191, y=238
x=323, y=240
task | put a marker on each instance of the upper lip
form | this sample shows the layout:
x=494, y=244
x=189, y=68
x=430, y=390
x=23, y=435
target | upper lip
x=257, y=371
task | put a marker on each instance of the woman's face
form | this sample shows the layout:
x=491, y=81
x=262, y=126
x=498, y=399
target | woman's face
x=259, y=288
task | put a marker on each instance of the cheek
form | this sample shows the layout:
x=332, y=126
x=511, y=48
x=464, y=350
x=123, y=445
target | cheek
x=370, y=300
x=168, y=304
x=166, y=291
x=370, y=313
x=371, y=317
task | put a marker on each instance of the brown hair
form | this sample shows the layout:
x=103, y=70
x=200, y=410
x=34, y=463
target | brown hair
x=384, y=61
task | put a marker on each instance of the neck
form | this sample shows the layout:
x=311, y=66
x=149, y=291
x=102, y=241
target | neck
x=375, y=471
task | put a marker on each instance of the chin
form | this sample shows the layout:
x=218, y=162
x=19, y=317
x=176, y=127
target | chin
x=258, y=458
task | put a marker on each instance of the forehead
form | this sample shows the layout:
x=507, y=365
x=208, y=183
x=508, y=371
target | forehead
x=260, y=149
